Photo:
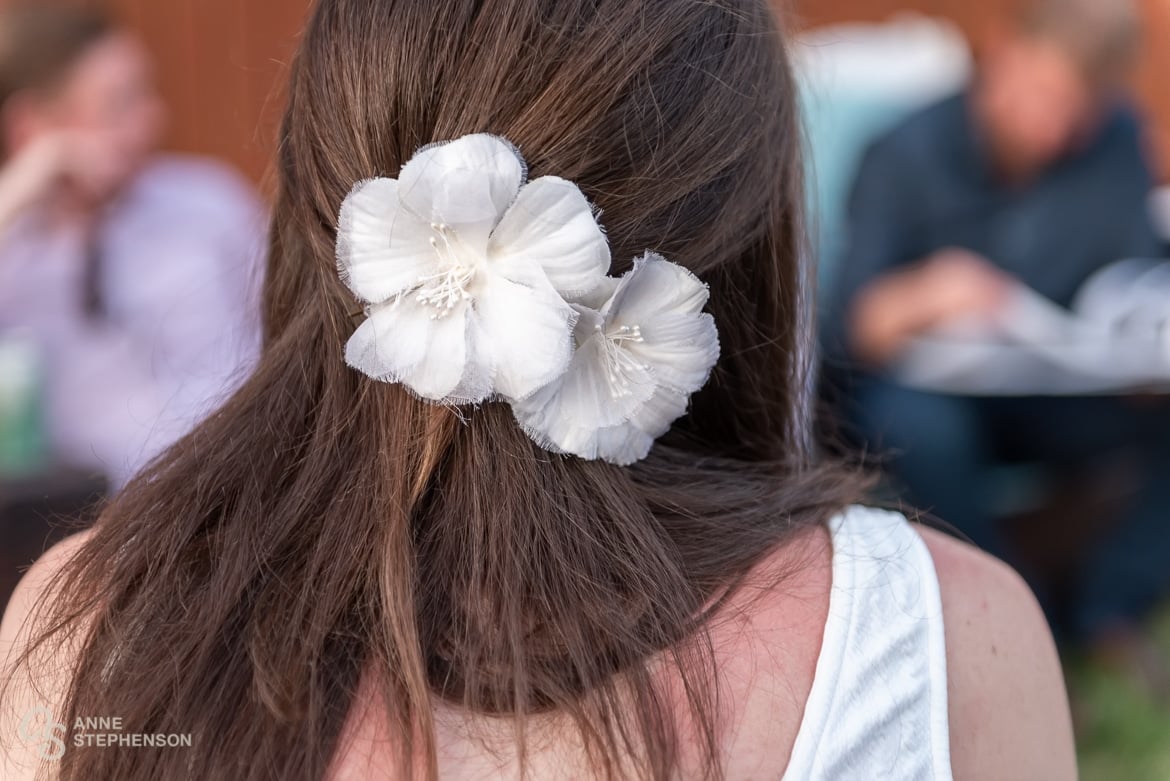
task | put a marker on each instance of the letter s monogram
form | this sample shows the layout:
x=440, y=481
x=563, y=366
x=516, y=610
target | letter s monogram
x=39, y=728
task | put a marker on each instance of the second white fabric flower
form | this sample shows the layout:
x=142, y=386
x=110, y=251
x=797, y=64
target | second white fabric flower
x=465, y=269
x=643, y=347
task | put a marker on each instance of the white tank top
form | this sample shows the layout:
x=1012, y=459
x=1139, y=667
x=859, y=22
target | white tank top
x=878, y=705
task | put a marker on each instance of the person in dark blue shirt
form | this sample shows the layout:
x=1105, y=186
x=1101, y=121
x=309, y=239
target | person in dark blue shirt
x=1035, y=174
x=931, y=190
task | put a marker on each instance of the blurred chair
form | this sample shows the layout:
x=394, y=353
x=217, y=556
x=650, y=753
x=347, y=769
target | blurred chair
x=857, y=81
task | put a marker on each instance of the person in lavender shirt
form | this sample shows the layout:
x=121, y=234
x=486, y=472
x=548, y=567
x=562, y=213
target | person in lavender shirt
x=133, y=273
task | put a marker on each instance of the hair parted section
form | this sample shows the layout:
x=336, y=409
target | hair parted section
x=322, y=529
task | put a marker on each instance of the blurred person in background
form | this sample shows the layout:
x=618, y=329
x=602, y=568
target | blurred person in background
x=1034, y=175
x=130, y=271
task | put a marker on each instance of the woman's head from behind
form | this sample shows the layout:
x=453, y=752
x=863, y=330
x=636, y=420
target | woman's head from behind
x=70, y=69
x=675, y=118
x=323, y=529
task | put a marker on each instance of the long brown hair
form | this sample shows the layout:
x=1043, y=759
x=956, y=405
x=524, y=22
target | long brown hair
x=321, y=526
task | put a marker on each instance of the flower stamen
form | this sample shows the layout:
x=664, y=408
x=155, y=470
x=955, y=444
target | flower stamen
x=446, y=289
x=443, y=291
x=620, y=366
x=628, y=333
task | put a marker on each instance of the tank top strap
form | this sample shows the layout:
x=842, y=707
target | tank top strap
x=878, y=704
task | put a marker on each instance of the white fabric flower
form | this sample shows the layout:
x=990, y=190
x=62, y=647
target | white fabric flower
x=643, y=347
x=465, y=271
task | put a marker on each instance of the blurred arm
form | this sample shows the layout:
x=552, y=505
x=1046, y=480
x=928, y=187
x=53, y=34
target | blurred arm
x=877, y=224
x=897, y=306
x=889, y=294
x=887, y=313
x=82, y=159
x=26, y=177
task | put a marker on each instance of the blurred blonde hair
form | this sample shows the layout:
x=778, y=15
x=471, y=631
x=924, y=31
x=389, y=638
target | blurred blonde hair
x=40, y=42
x=1102, y=36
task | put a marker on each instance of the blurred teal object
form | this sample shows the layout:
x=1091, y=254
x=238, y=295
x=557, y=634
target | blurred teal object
x=856, y=82
x=23, y=440
x=839, y=125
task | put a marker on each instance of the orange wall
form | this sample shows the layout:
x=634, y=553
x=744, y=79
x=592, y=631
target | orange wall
x=976, y=16
x=222, y=62
x=222, y=66
x=1151, y=80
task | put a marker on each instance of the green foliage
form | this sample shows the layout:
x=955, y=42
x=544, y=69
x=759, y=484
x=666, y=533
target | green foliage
x=1123, y=731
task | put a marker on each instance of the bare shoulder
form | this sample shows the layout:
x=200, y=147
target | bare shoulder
x=21, y=694
x=30, y=590
x=1009, y=710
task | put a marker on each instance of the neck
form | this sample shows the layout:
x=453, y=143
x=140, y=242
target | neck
x=1004, y=164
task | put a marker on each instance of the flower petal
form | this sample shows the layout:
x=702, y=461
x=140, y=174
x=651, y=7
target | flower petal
x=528, y=331
x=623, y=445
x=571, y=412
x=382, y=249
x=599, y=393
x=631, y=442
x=401, y=343
x=656, y=416
x=597, y=298
x=653, y=287
x=478, y=383
x=552, y=224
x=681, y=349
x=467, y=183
x=664, y=302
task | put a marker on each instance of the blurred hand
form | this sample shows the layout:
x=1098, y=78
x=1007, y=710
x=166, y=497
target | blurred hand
x=950, y=285
x=955, y=284
x=87, y=163
x=94, y=164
